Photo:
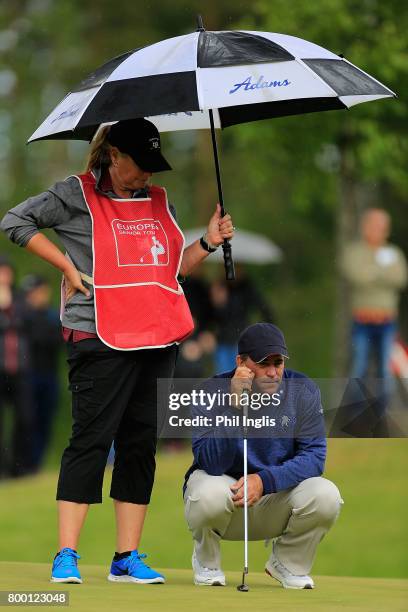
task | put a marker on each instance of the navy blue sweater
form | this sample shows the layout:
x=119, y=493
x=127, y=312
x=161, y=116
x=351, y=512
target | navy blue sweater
x=296, y=451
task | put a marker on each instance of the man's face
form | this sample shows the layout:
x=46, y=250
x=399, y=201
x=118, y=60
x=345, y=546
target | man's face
x=375, y=227
x=268, y=372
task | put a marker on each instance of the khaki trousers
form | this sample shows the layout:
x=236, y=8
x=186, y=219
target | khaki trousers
x=299, y=518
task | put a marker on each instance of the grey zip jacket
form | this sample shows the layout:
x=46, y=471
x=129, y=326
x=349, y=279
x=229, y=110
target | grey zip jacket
x=63, y=208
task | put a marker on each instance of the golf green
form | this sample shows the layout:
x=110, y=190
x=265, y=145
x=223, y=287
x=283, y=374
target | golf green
x=368, y=540
x=97, y=594
x=365, y=553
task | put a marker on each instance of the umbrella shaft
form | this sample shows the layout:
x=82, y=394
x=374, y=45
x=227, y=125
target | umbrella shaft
x=217, y=163
x=228, y=261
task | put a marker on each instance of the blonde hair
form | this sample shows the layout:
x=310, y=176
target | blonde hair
x=99, y=153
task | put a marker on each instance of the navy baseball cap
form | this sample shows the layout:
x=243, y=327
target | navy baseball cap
x=140, y=139
x=261, y=340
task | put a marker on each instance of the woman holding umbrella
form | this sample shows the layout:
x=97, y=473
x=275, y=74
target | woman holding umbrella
x=123, y=314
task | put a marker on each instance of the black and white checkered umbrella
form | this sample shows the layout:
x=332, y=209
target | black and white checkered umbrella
x=242, y=76
x=212, y=80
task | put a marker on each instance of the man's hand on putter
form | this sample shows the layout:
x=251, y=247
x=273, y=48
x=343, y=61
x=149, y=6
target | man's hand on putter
x=241, y=380
x=255, y=490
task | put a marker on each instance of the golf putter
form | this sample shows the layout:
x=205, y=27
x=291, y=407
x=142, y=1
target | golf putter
x=243, y=587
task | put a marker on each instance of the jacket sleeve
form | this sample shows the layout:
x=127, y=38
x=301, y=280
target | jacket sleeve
x=213, y=447
x=310, y=449
x=46, y=210
x=214, y=455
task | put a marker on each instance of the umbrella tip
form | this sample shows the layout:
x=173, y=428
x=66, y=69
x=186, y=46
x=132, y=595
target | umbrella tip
x=200, y=25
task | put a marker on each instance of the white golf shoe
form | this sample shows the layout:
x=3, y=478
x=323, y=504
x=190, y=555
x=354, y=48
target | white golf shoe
x=204, y=576
x=277, y=570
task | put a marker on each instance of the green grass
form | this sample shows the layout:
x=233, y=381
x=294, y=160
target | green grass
x=179, y=594
x=369, y=539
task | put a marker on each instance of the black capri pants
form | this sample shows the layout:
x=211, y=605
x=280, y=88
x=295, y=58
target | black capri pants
x=114, y=398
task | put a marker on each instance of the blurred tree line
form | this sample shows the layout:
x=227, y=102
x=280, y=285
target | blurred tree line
x=302, y=180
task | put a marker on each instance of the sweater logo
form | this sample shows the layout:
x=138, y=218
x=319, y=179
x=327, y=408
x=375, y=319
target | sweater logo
x=285, y=420
x=140, y=242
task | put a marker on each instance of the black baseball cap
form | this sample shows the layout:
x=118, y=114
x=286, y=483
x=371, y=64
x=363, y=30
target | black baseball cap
x=261, y=340
x=140, y=139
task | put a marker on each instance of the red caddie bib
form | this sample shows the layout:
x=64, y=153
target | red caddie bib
x=137, y=250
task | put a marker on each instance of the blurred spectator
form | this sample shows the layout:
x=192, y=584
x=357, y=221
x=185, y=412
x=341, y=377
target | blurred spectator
x=208, y=344
x=189, y=360
x=233, y=305
x=196, y=290
x=45, y=343
x=190, y=364
x=15, y=388
x=376, y=271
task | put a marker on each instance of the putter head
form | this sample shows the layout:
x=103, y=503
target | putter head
x=244, y=588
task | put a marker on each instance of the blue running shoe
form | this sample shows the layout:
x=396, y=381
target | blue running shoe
x=133, y=569
x=64, y=568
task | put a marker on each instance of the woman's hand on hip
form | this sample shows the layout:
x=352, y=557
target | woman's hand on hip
x=42, y=246
x=73, y=283
x=219, y=228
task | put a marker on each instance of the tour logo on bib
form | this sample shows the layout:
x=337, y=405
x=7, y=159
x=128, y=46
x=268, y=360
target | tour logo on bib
x=142, y=242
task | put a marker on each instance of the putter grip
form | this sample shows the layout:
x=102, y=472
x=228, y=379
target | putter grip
x=228, y=261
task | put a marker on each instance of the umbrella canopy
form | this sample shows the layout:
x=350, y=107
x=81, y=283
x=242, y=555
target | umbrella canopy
x=209, y=80
x=248, y=247
x=240, y=75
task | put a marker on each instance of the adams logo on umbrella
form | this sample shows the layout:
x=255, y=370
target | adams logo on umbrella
x=140, y=242
x=69, y=112
x=247, y=84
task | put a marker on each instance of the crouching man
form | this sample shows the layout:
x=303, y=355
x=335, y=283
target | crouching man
x=289, y=500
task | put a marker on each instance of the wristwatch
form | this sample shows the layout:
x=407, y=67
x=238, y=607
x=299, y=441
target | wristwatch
x=207, y=247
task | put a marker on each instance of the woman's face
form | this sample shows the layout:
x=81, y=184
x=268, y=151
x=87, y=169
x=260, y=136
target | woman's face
x=126, y=173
